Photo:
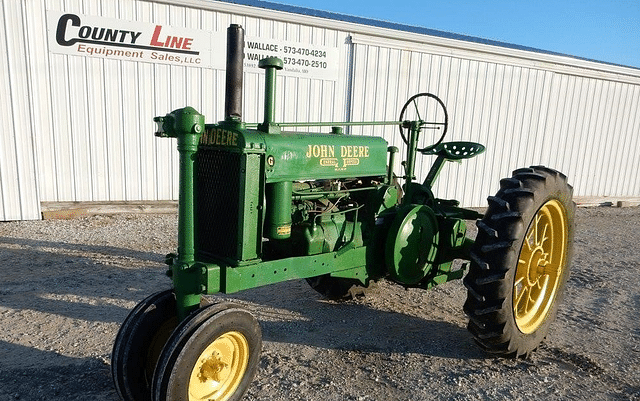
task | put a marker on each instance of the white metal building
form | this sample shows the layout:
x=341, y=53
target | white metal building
x=81, y=81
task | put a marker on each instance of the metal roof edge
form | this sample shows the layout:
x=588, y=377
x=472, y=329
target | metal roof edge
x=406, y=28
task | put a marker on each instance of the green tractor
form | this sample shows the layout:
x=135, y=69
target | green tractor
x=260, y=204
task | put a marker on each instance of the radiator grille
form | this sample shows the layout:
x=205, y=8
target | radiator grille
x=218, y=202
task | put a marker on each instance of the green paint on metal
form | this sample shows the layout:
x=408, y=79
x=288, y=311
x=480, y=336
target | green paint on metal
x=294, y=156
x=392, y=162
x=449, y=151
x=240, y=278
x=186, y=125
x=412, y=244
x=271, y=65
x=278, y=216
x=410, y=163
x=357, y=273
x=443, y=275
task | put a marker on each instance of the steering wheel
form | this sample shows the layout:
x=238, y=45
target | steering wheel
x=416, y=109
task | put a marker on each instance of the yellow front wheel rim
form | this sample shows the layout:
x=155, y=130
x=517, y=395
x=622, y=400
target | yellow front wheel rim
x=220, y=368
x=541, y=266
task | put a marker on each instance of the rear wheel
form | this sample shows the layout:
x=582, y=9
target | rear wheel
x=138, y=344
x=213, y=355
x=520, y=262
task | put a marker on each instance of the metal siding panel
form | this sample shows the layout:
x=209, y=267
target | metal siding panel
x=611, y=161
x=634, y=156
x=97, y=129
x=144, y=129
x=130, y=135
x=61, y=129
x=9, y=188
x=613, y=157
x=164, y=150
x=582, y=173
x=39, y=91
x=114, y=130
x=630, y=152
x=42, y=98
x=603, y=133
x=81, y=172
x=478, y=171
x=551, y=120
x=567, y=130
x=577, y=130
x=18, y=188
x=481, y=166
x=468, y=182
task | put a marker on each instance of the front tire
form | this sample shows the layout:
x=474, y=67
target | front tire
x=213, y=355
x=520, y=262
x=138, y=344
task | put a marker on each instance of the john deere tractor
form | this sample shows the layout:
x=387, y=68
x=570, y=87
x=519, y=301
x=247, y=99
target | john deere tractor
x=261, y=204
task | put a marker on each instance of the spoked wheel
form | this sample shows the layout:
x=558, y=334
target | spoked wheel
x=430, y=111
x=520, y=262
x=337, y=288
x=213, y=355
x=138, y=344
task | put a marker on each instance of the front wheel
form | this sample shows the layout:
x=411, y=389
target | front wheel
x=520, y=262
x=213, y=355
x=138, y=344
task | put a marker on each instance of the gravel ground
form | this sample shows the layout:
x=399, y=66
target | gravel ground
x=68, y=284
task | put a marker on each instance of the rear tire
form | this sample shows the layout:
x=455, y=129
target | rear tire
x=520, y=262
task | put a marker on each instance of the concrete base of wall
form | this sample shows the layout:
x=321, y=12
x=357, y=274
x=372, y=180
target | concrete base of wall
x=593, y=201
x=70, y=210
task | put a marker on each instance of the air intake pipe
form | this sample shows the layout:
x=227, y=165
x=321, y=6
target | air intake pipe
x=235, y=59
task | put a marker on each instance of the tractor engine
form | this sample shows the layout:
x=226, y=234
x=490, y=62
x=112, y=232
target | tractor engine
x=269, y=196
x=262, y=193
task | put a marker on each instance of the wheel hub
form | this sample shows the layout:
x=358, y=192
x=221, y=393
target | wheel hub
x=220, y=368
x=211, y=369
x=540, y=266
x=536, y=266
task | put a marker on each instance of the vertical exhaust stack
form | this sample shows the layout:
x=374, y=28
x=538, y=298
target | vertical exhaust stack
x=235, y=59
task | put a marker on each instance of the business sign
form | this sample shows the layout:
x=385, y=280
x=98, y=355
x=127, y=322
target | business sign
x=298, y=59
x=91, y=36
x=83, y=35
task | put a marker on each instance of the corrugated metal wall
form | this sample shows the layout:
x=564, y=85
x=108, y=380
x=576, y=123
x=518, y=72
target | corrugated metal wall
x=526, y=115
x=80, y=128
x=101, y=144
x=19, y=115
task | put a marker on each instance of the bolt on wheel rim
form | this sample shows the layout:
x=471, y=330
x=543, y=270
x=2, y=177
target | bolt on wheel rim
x=220, y=368
x=540, y=266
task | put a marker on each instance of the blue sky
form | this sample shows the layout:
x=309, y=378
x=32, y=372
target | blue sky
x=605, y=30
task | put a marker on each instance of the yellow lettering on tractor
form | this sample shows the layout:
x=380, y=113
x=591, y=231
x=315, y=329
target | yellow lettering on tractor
x=219, y=137
x=354, y=151
x=350, y=154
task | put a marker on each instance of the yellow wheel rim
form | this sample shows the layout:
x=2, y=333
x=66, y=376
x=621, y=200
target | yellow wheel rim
x=220, y=368
x=540, y=266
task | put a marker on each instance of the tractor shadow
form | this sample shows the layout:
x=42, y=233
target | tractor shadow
x=47, y=375
x=98, y=283
x=295, y=314
x=77, y=281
